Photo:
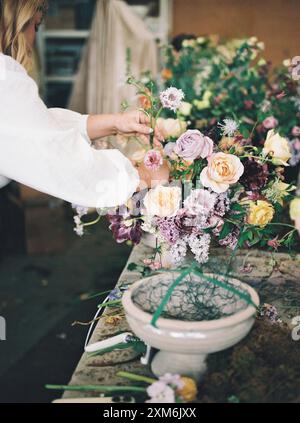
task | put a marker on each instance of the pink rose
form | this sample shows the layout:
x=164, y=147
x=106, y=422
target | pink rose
x=270, y=122
x=193, y=144
x=296, y=131
x=153, y=160
x=222, y=171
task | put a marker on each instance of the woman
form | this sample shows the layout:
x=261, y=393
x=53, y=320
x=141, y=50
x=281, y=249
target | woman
x=49, y=149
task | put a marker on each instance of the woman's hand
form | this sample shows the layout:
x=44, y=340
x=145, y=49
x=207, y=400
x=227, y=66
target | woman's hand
x=128, y=123
x=134, y=122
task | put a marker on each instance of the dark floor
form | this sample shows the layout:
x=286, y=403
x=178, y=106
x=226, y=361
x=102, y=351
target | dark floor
x=40, y=297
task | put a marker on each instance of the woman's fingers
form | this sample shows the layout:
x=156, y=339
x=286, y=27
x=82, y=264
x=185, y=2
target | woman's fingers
x=143, y=118
x=142, y=129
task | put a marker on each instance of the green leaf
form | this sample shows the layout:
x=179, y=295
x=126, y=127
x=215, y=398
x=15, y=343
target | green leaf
x=226, y=229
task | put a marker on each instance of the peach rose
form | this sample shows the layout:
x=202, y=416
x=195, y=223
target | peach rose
x=170, y=127
x=162, y=201
x=222, y=171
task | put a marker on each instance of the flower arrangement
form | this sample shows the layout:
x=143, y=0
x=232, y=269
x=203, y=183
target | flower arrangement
x=222, y=190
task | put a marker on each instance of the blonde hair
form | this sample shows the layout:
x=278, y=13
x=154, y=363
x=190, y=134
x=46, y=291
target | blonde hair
x=15, y=16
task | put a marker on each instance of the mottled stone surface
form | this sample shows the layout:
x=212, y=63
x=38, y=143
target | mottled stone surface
x=275, y=276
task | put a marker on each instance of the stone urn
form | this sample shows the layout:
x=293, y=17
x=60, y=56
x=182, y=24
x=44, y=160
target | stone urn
x=200, y=318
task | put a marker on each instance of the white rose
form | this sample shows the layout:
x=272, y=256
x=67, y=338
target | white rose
x=162, y=201
x=171, y=127
x=185, y=108
x=278, y=148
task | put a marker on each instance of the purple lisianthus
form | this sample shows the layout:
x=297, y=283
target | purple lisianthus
x=125, y=230
x=193, y=144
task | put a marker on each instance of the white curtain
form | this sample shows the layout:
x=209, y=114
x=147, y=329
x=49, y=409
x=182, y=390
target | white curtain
x=100, y=86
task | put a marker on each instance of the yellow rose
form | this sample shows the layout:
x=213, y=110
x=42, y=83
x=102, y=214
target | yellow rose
x=222, y=171
x=188, y=392
x=278, y=148
x=171, y=127
x=260, y=213
x=162, y=201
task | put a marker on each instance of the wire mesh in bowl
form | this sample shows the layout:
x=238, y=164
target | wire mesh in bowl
x=195, y=298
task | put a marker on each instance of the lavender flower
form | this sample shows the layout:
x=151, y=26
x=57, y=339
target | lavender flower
x=171, y=98
x=222, y=204
x=79, y=230
x=168, y=229
x=199, y=246
x=80, y=210
x=178, y=251
x=160, y=392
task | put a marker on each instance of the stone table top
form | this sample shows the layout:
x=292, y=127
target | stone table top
x=275, y=276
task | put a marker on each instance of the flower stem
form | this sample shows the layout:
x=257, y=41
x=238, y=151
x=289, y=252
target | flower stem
x=93, y=222
x=108, y=303
x=137, y=378
x=100, y=388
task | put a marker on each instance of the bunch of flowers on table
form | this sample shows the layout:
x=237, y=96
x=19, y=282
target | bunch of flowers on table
x=221, y=189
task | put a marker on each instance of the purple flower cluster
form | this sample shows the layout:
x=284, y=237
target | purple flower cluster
x=168, y=229
x=125, y=229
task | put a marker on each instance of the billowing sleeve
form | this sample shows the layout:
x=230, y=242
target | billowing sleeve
x=48, y=150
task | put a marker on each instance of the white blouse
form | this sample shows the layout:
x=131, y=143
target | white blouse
x=49, y=149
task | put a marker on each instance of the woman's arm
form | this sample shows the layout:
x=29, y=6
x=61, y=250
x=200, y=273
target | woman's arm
x=99, y=126
x=38, y=151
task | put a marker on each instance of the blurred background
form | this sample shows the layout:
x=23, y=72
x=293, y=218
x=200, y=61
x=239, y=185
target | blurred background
x=46, y=273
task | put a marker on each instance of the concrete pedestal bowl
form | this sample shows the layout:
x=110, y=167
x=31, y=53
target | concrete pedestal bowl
x=184, y=343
